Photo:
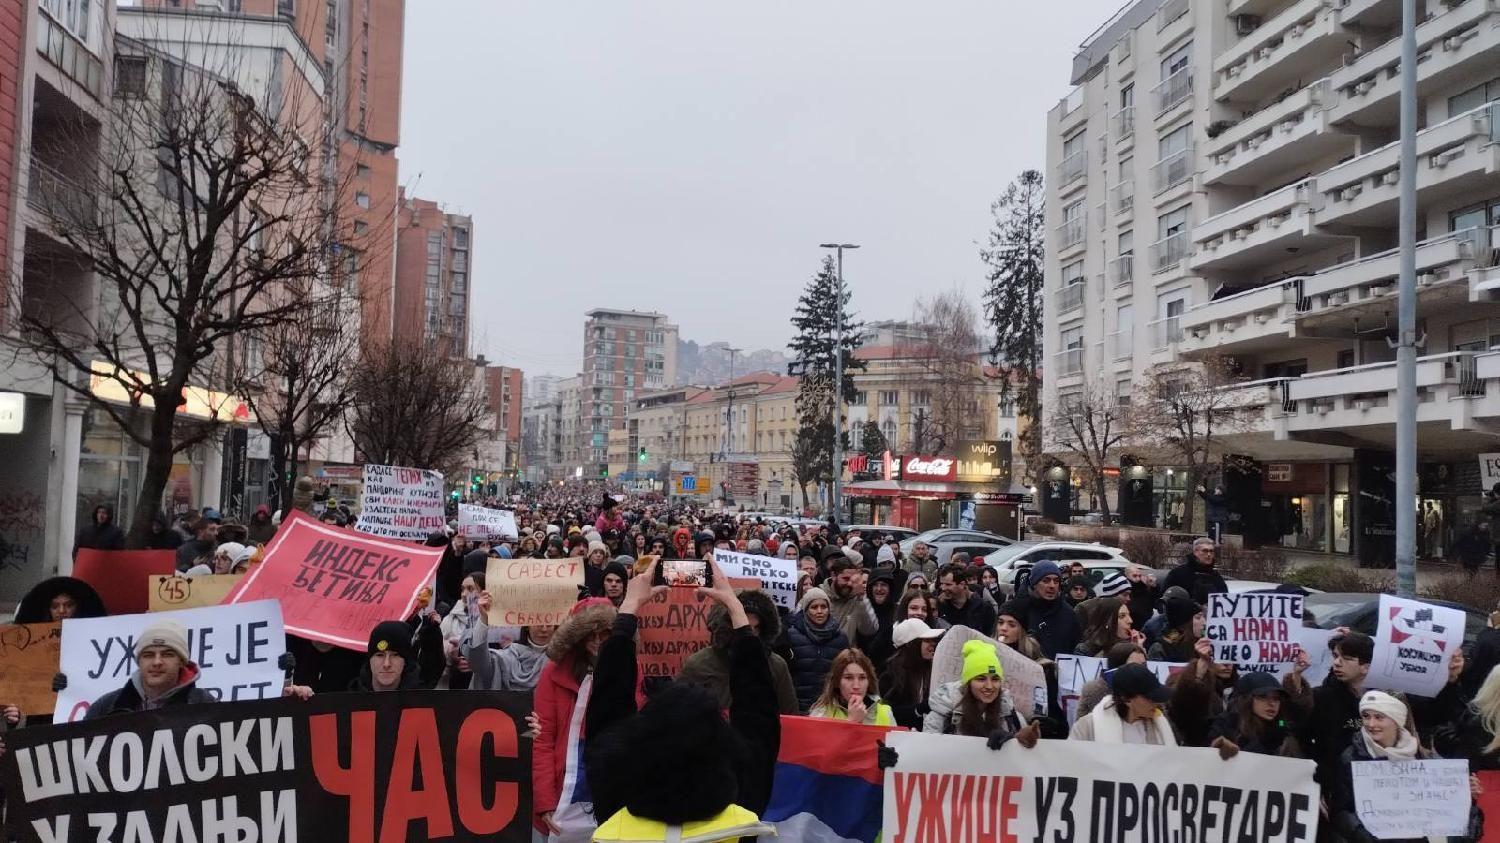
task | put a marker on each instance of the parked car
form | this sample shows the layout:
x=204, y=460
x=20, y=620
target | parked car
x=1100, y=560
x=947, y=541
x=1358, y=611
x=868, y=530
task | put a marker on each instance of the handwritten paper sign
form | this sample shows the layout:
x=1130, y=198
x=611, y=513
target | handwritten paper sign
x=674, y=626
x=1073, y=672
x=29, y=655
x=179, y=592
x=236, y=649
x=401, y=503
x=1414, y=642
x=532, y=592
x=478, y=522
x=1412, y=799
x=777, y=577
x=335, y=585
x=1254, y=629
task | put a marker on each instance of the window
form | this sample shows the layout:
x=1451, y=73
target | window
x=1125, y=244
x=1071, y=338
x=130, y=76
x=460, y=238
x=1122, y=393
x=1174, y=141
x=889, y=398
x=1474, y=97
x=888, y=430
x=1172, y=223
x=922, y=398
x=362, y=199
x=286, y=9
x=858, y=401
x=1127, y=96
x=362, y=170
x=360, y=226
x=1176, y=60
x=1008, y=408
x=1475, y=216
x=1073, y=273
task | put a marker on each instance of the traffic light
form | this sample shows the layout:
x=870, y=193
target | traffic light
x=641, y=458
x=604, y=472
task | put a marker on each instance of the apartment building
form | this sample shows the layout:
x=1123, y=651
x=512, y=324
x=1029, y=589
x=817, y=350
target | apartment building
x=1223, y=182
x=572, y=437
x=503, y=386
x=433, y=270
x=624, y=352
x=738, y=436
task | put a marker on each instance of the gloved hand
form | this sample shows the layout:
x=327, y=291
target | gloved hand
x=885, y=757
x=1226, y=747
x=287, y=663
x=1029, y=734
x=60, y=682
x=999, y=738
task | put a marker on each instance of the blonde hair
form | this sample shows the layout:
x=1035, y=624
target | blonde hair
x=831, y=697
x=1487, y=705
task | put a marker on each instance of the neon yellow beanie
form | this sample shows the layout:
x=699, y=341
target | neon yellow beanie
x=980, y=658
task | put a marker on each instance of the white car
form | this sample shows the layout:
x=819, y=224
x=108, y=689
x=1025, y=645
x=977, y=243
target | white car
x=1100, y=560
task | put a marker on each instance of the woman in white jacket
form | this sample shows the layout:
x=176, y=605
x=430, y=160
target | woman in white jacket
x=978, y=705
x=1131, y=713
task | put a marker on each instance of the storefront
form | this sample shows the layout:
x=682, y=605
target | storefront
x=968, y=487
x=1449, y=497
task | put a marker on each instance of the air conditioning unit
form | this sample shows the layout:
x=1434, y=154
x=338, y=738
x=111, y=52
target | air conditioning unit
x=1427, y=279
x=1341, y=297
x=1348, y=194
x=1261, y=318
x=1323, y=408
x=1391, y=178
x=1364, y=87
x=1246, y=24
x=1362, y=404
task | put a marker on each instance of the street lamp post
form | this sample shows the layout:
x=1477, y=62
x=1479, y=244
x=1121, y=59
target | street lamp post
x=1406, y=316
x=838, y=382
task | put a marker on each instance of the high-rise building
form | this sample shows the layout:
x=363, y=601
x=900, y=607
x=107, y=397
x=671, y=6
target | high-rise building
x=503, y=388
x=1250, y=150
x=624, y=352
x=433, y=267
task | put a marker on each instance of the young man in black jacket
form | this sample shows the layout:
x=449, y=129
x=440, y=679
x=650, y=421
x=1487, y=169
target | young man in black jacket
x=1328, y=727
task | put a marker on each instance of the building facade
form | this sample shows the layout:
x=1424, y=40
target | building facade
x=624, y=352
x=433, y=270
x=1223, y=183
x=505, y=392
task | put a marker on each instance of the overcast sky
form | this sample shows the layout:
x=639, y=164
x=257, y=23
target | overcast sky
x=688, y=157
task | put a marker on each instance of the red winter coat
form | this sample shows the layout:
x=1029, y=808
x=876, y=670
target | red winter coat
x=555, y=697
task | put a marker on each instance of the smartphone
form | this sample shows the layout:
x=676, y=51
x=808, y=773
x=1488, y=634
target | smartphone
x=684, y=573
x=471, y=603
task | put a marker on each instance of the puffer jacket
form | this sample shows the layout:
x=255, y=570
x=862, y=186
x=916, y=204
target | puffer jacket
x=709, y=667
x=813, y=650
x=943, y=714
x=555, y=697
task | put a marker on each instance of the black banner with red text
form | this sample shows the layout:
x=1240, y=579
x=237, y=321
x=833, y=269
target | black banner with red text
x=366, y=768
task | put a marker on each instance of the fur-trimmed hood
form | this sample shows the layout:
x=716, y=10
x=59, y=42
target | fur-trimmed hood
x=756, y=602
x=599, y=615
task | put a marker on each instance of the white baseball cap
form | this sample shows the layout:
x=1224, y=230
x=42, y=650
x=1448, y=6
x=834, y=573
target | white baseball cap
x=911, y=630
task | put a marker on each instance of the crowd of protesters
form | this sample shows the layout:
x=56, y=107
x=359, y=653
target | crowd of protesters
x=859, y=647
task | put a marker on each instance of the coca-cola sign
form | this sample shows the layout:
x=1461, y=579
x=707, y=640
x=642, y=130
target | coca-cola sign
x=929, y=468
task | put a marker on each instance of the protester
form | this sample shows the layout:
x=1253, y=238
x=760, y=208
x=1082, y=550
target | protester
x=1255, y=720
x=1382, y=735
x=1142, y=587
x=922, y=605
x=455, y=628
x=1049, y=619
x=921, y=561
x=165, y=675
x=1197, y=574
x=907, y=678
x=201, y=547
x=1097, y=688
x=958, y=605
x=813, y=640
x=1475, y=735
x=852, y=692
x=1109, y=624
x=1010, y=630
x=709, y=667
x=1334, y=718
x=516, y=666
x=162, y=536
x=612, y=582
x=571, y=655
x=1198, y=692
x=1079, y=588
x=391, y=662
x=1484, y=656
x=977, y=704
x=260, y=529
x=1131, y=713
x=882, y=594
x=1185, y=622
x=989, y=583
x=1448, y=706
x=100, y=533
x=848, y=603
x=57, y=599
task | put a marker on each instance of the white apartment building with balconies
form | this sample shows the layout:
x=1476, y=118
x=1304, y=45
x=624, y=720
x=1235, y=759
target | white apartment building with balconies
x=1256, y=175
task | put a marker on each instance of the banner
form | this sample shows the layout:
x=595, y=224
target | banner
x=778, y=577
x=29, y=656
x=179, y=592
x=1024, y=679
x=401, y=503
x=674, y=625
x=390, y=766
x=478, y=522
x=235, y=647
x=532, y=592
x=1406, y=799
x=1489, y=803
x=120, y=575
x=827, y=785
x=1413, y=644
x=956, y=788
x=1250, y=630
x=335, y=585
x=1073, y=672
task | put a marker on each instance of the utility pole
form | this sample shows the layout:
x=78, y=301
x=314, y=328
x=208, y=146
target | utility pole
x=728, y=428
x=1406, y=309
x=837, y=504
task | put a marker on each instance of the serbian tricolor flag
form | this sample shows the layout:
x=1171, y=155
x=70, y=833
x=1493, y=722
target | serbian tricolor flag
x=828, y=782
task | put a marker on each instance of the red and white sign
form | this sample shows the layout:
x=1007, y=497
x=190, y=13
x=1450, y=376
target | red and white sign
x=929, y=468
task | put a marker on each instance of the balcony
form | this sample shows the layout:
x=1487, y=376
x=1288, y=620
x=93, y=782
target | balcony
x=1453, y=389
x=1168, y=252
x=1073, y=167
x=1122, y=345
x=1262, y=406
x=1070, y=233
x=1165, y=333
x=1253, y=320
x=1069, y=362
x=1122, y=123
x=1466, y=34
x=1070, y=297
x=1304, y=38
x=1455, y=156
x=1277, y=139
x=1122, y=197
x=1173, y=90
x=1340, y=292
x=69, y=54
x=1122, y=270
x=1172, y=170
x=1170, y=11
x=1259, y=230
x=55, y=195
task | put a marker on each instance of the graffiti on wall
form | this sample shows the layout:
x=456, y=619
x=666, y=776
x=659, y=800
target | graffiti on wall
x=22, y=522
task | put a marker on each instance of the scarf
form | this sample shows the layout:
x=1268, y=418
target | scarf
x=1405, y=749
x=1109, y=728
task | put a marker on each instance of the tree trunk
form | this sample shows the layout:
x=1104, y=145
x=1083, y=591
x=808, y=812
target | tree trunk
x=158, y=473
x=1099, y=492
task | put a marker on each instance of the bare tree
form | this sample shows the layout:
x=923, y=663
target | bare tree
x=409, y=406
x=1088, y=427
x=945, y=373
x=202, y=214
x=1183, y=410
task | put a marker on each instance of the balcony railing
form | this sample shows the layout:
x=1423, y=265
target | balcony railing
x=1122, y=197
x=1171, y=11
x=1166, y=333
x=63, y=49
x=1122, y=270
x=1122, y=343
x=1070, y=362
x=1070, y=233
x=1172, y=170
x=1169, y=251
x=1070, y=297
x=1122, y=124
x=1073, y=167
x=60, y=197
x=1173, y=89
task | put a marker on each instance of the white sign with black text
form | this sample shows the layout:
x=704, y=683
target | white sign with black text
x=778, y=577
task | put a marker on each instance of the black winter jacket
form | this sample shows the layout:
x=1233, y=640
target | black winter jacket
x=1342, y=813
x=1198, y=580
x=1054, y=625
x=1330, y=726
x=812, y=654
x=128, y=699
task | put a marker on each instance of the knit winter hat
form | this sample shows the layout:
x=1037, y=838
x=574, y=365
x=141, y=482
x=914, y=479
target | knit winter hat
x=1112, y=585
x=1383, y=703
x=810, y=595
x=1180, y=612
x=599, y=546
x=169, y=634
x=1042, y=570
x=1015, y=608
x=980, y=659
x=391, y=636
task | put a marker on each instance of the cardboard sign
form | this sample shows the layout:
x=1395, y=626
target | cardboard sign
x=478, y=522
x=1024, y=679
x=674, y=626
x=777, y=577
x=120, y=576
x=532, y=592
x=393, y=766
x=236, y=649
x=1073, y=672
x=1489, y=471
x=1413, y=644
x=945, y=787
x=179, y=592
x=1412, y=799
x=1254, y=629
x=401, y=503
x=335, y=585
x=29, y=656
